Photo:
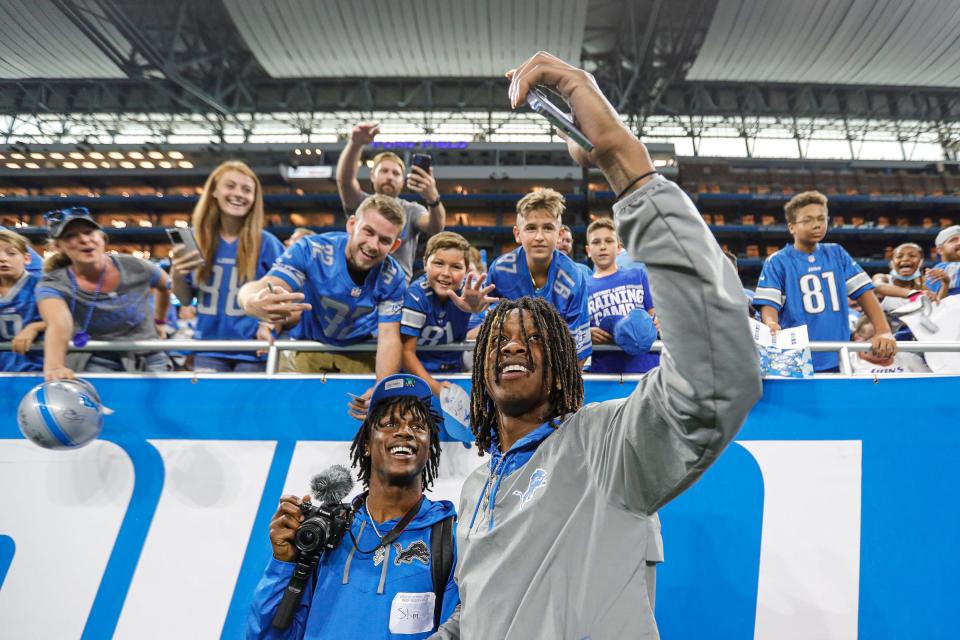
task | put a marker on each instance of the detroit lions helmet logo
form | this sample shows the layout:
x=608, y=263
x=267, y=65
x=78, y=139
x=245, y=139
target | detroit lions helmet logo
x=418, y=550
x=538, y=480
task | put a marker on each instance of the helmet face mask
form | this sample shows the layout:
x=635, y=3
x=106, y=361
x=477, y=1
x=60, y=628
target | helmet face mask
x=61, y=414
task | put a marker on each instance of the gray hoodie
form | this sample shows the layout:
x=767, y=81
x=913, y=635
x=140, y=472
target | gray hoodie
x=561, y=551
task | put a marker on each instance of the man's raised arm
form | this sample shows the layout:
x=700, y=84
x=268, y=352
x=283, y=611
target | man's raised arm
x=685, y=412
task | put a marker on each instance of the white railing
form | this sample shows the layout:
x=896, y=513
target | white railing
x=273, y=350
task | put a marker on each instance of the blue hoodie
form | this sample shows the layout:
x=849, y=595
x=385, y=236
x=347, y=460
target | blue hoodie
x=357, y=597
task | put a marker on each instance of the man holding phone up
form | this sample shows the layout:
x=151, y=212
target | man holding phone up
x=387, y=178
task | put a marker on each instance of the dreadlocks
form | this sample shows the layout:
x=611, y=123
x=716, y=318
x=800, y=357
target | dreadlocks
x=403, y=405
x=561, y=380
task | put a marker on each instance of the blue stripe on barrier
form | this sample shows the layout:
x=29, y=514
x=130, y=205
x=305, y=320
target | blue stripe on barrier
x=51, y=421
x=8, y=549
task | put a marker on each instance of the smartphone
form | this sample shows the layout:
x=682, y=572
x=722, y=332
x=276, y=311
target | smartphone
x=539, y=102
x=183, y=236
x=422, y=160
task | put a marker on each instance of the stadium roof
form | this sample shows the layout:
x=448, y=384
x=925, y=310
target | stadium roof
x=288, y=70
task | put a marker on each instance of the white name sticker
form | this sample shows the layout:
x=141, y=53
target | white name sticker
x=412, y=612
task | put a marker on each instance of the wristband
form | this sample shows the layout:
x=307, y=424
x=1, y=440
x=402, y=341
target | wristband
x=635, y=181
x=431, y=205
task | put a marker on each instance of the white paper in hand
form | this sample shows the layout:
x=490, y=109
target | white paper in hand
x=455, y=402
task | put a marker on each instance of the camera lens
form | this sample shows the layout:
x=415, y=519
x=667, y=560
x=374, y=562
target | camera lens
x=311, y=535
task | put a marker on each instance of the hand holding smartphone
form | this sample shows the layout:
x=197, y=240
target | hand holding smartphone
x=538, y=101
x=183, y=236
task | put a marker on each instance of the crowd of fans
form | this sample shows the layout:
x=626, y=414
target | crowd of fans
x=345, y=288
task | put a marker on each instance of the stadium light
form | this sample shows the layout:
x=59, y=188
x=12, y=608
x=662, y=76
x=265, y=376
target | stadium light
x=13, y=165
x=31, y=165
x=126, y=164
x=185, y=164
x=56, y=155
x=166, y=164
x=116, y=155
x=89, y=165
x=69, y=165
x=297, y=151
x=36, y=156
x=105, y=164
x=18, y=156
x=156, y=155
x=176, y=155
x=136, y=155
x=146, y=164
x=96, y=155
x=76, y=155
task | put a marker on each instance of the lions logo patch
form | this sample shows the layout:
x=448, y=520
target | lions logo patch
x=418, y=550
x=538, y=480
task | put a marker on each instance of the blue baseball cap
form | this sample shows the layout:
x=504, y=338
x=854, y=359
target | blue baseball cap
x=635, y=332
x=59, y=219
x=402, y=384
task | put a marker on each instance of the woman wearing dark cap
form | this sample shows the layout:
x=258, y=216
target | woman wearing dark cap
x=86, y=295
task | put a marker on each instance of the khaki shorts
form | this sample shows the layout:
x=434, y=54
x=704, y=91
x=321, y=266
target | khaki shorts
x=330, y=362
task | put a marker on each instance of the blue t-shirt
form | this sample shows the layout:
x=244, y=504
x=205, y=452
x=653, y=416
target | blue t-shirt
x=565, y=289
x=433, y=322
x=812, y=289
x=953, y=271
x=18, y=308
x=611, y=298
x=219, y=316
x=343, y=312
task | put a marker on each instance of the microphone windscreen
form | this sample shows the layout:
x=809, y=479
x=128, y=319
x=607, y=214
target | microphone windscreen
x=332, y=485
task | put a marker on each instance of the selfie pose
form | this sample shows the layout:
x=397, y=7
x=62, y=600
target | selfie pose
x=554, y=530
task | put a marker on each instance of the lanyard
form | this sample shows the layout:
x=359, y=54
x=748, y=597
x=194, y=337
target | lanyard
x=81, y=338
x=394, y=533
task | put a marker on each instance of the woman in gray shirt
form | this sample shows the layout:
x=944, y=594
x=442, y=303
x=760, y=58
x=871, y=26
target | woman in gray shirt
x=88, y=295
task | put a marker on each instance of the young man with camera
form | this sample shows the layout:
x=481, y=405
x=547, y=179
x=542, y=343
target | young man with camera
x=387, y=178
x=391, y=575
x=554, y=536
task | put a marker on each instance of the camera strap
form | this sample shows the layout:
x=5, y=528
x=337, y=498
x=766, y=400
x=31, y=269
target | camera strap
x=394, y=533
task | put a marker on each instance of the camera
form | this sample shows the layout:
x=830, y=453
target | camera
x=322, y=530
x=323, y=527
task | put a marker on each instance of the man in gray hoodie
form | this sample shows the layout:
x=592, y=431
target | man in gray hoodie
x=554, y=531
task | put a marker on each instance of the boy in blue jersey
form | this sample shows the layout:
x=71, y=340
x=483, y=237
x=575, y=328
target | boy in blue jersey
x=612, y=294
x=808, y=283
x=20, y=321
x=537, y=268
x=946, y=273
x=348, y=288
x=434, y=313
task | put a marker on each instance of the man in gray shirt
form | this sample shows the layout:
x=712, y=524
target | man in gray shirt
x=387, y=177
x=554, y=532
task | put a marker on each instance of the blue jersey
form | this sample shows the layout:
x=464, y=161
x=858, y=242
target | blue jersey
x=611, y=298
x=18, y=308
x=433, y=322
x=219, y=316
x=343, y=312
x=584, y=269
x=812, y=289
x=565, y=289
x=953, y=272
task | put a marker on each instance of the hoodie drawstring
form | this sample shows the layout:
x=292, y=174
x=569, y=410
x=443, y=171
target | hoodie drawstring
x=383, y=571
x=346, y=568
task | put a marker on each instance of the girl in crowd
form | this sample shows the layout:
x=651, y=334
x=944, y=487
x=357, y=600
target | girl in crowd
x=20, y=321
x=86, y=295
x=234, y=249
